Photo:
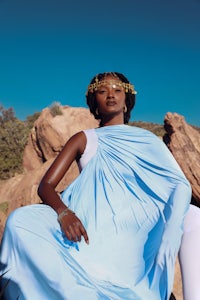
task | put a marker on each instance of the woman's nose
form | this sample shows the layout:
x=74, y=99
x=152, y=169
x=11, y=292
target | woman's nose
x=110, y=93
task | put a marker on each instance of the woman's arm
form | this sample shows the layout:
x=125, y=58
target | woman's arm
x=69, y=222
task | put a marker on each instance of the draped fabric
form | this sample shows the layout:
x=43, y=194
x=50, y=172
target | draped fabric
x=132, y=198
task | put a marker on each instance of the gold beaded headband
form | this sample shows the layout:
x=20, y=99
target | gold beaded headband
x=128, y=87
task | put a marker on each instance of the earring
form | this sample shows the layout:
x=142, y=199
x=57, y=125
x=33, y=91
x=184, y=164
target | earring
x=97, y=111
x=125, y=109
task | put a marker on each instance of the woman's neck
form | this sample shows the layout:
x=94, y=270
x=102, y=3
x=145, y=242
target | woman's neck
x=117, y=120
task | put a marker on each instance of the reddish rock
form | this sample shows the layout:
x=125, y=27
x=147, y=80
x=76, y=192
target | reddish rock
x=184, y=142
x=46, y=139
x=49, y=134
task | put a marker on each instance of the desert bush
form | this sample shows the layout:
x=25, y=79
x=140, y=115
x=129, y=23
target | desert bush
x=30, y=120
x=157, y=129
x=4, y=207
x=13, y=138
x=56, y=109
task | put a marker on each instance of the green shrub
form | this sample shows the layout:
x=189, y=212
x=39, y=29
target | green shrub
x=4, y=207
x=31, y=119
x=56, y=109
x=13, y=138
x=157, y=129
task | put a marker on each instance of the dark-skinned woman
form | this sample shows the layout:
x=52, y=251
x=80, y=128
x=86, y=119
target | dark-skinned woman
x=115, y=232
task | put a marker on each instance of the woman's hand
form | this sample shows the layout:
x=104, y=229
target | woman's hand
x=72, y=226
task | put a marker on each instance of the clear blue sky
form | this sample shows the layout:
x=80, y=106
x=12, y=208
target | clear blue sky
x=50, y=50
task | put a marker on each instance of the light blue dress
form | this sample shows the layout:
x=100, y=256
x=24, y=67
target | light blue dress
x=132, y=198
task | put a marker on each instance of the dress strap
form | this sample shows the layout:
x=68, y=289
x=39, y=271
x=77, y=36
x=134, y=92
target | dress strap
x=90, y=148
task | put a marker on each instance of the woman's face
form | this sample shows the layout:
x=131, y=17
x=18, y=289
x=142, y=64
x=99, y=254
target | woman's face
x=110, y=97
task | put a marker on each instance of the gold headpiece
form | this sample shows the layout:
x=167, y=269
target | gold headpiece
x=128, y=87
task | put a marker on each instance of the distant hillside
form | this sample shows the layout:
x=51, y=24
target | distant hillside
x=157, y=129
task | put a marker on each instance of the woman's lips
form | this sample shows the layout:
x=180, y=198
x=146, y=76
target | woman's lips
x=111, y=103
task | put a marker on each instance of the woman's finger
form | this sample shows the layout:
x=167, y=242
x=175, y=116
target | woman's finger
x=84, y=233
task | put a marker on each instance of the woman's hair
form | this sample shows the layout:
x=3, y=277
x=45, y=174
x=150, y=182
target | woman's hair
x=129, y=100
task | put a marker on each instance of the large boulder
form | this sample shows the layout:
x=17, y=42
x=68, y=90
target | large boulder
x=50, y=133
x=183, y=140
x=46, y=139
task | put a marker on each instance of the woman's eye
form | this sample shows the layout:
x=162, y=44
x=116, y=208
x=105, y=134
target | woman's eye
x=101, y=91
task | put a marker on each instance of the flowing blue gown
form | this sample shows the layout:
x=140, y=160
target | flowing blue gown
x=132, y=198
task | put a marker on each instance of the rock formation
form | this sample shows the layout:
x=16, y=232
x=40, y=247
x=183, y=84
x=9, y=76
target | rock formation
x=49, y=134
x=184, y=143
x=46, y=139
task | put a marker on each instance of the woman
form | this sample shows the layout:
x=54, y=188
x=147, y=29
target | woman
x=115, y=231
